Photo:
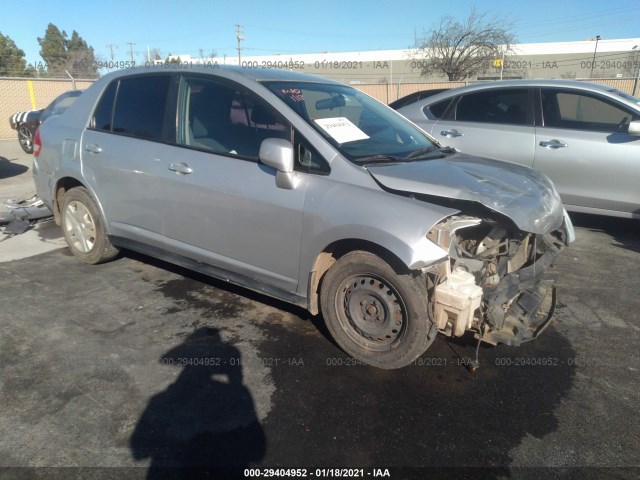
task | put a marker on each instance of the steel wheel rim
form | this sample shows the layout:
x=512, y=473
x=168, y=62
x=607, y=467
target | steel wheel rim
x=371, y=311
x=80, y=227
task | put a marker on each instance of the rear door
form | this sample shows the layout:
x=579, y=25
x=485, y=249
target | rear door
x=584, y=147
x=124, y=153
x=495, y=123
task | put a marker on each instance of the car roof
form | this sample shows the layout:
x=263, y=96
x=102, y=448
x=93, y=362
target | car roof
x=227, y=71
x=76, y=115
x=488, y=85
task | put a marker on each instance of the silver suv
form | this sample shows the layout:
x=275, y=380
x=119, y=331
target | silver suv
x=312, y=192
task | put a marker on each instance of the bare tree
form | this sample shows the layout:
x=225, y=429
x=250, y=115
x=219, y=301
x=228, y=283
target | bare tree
x=155, y=54
x=461, y=50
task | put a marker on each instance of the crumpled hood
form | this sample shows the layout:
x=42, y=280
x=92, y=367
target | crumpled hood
x=521, y=193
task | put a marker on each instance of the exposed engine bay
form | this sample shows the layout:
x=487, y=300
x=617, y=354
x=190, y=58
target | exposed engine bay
x=498, y=281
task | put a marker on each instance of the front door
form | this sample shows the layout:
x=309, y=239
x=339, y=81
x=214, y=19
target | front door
x=221, y=205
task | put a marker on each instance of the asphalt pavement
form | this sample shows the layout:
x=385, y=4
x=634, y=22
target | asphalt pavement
x=137, y=369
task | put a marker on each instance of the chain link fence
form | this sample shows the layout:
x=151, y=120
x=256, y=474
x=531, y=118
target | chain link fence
x=21, y=94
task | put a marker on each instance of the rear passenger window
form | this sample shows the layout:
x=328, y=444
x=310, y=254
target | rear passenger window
x=103, y=115
x=140, y=107
x=508, y=106
x=226, y=120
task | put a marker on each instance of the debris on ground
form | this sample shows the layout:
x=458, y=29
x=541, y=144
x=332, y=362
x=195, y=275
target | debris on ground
x=22, y=214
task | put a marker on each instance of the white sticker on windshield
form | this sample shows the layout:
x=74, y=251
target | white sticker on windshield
x=341, y=129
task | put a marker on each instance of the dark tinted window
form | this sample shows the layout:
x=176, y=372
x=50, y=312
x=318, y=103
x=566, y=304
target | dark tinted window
x=438, y=109
x=510, y=106
x=103, y=115
x=140, y=106
x=224, y=119
x=575, y=110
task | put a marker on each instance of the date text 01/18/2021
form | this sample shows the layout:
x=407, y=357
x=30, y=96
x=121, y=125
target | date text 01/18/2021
x=317, y=473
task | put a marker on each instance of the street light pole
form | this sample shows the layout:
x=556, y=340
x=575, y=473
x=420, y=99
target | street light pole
x=593, y=62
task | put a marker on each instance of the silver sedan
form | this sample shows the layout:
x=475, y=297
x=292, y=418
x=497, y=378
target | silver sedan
x=584, y=136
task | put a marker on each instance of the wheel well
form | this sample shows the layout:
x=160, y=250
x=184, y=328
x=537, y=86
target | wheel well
x=333, y=252
x=64, y=184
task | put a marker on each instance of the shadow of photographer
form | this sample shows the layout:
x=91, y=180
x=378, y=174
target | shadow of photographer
x=204, y=424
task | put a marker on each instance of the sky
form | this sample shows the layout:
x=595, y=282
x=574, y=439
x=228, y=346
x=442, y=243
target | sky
x=290, y=27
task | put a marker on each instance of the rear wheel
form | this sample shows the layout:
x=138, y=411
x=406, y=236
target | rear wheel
x=25, y=138
x=83, y=228
x=375, y=314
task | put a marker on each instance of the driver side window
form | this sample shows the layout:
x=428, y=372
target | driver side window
x=577, y=111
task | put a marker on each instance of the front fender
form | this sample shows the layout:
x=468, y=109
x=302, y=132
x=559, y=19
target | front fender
x=335, y=212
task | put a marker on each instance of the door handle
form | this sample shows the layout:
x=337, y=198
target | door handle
x=451, y=133
x=553, y=144
x=93, y=148
x=181, y=168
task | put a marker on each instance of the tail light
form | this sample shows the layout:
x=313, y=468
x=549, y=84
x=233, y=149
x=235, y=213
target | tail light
x=37, y=144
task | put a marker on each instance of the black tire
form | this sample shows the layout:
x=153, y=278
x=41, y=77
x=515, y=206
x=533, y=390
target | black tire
x=25, y=138
x=83, y=228
x=375, y=314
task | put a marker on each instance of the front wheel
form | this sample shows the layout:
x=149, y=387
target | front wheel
x=83, y=228
x=25, y=138
x=375, y=314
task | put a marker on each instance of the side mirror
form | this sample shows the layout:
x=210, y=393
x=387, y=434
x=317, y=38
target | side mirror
x=634, y=127
x=277, y=153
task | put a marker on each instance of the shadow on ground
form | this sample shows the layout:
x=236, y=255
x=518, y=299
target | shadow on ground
x=9, y=169
x=204, y=425
x=624, y=230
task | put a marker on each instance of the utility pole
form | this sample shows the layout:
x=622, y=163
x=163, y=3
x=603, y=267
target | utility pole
x=635, y=83
x=131, y=50
x=111, y=46
x=593, y=62
x=239, y=37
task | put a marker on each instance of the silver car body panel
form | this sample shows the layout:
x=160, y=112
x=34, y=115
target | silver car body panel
x=522, y=194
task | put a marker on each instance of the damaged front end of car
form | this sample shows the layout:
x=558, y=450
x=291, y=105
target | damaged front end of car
x=498, y=280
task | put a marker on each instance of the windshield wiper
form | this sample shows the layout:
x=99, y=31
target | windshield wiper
x=379, y=159
x=429, y=152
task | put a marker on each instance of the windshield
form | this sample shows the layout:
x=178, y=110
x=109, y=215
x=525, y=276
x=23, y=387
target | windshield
x=357, y=125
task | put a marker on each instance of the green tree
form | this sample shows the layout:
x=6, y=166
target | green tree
x=12, y=61
x=461, y=50
x=62, y=54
